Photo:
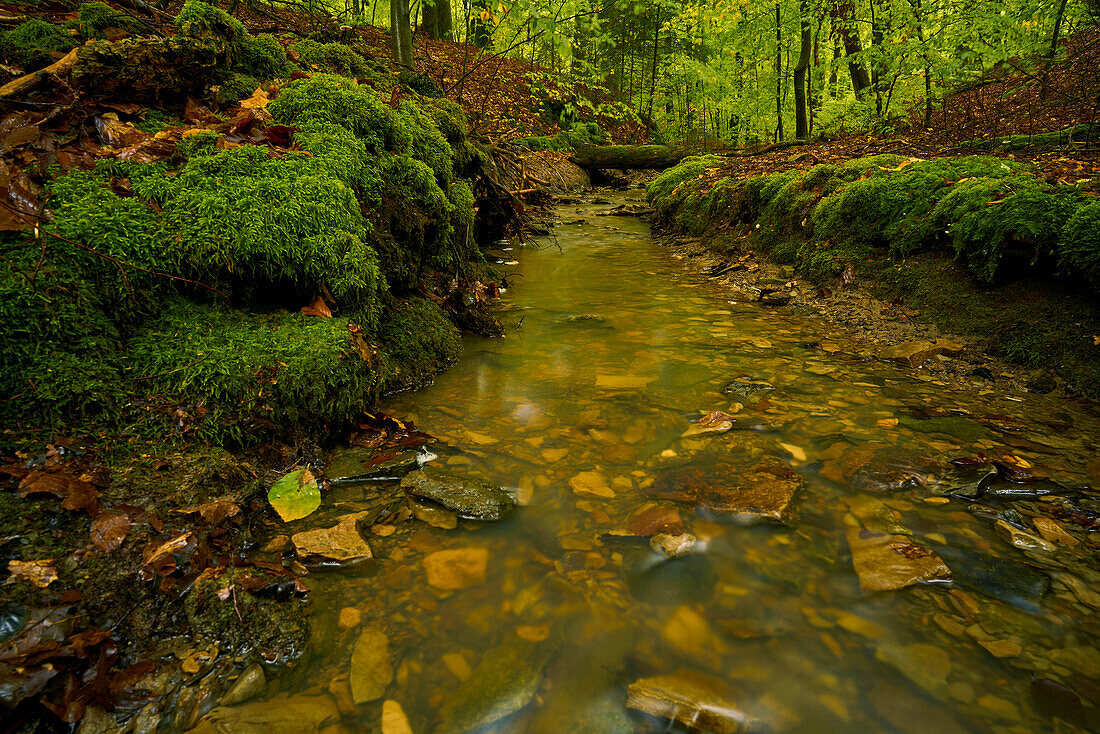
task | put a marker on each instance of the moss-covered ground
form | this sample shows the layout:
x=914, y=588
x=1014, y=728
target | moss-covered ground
x=163, y=298
x=982, y=245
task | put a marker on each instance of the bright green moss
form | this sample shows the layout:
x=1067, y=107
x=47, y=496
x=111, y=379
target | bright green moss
x=234, y=368
x=325, y=99
x=1079, y=247
x=263, y=57
x=203, y=20
x=201, y=143
x=990, y=220
x=335, y=58
x=95, y=17
x=417, y=134
x=420, y=341
x=667, y=191
x=235, y=88
x=30, y=44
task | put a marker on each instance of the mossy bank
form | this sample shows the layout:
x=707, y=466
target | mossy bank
x=166, y=298
x=982, y=246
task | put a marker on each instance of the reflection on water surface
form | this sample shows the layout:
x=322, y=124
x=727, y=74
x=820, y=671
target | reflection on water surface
x=649, y=575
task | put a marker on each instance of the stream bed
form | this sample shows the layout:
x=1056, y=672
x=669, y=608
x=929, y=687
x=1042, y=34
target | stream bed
x=845, y=545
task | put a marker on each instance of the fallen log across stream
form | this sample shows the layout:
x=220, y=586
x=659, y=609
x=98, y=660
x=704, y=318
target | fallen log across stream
x=631, y=156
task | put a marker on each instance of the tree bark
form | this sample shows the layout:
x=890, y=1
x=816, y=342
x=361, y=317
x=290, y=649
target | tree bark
x=650, y=157
x=778, y=76
x=480, y=31
x=437, y=19
x=843, y=19
x=401, y=33
x=801, y=119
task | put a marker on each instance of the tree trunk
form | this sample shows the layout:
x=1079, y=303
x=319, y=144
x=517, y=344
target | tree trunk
x=653, y=76
x=801, y=119
x=778, y=76
x=481, y=29
x=437, y=19
x=401, y=33
x=877, y=37
x=843, y=19
x=652, y=157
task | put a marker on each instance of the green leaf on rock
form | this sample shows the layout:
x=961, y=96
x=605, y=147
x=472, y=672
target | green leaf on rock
x=295, y=496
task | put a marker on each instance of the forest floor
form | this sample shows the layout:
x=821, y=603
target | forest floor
x=99, y=641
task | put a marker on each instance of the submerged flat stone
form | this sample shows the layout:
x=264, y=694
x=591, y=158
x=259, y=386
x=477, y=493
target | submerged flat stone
x=747, y=391
x=912, y=354
x=1013, y=583
x=341, y=542
x=693, y=700
x=467, y=497
x=503, y=683
x=886, y=562
x=360, y=464
x=765, y=492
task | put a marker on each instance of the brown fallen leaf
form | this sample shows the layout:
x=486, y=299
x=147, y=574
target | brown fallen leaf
x=39, y=573
x=109, y=530
x=213, y=512
x=317, y=308
x=257, y=101
x=74, y=493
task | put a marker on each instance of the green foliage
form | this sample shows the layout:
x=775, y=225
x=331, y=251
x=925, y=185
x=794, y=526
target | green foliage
x=420, y=83
x=203, y=20
x=153, y=122
x=263, y=57
x=325, y=99
x=335, y=58
x=988, y=219
x=1079, y=248
x=30, y=44
x=201, y=143
x=95, y=17
x=235, y=88
x=663, y=189
x=233, y=368
x=420, y=341
x=579, y=137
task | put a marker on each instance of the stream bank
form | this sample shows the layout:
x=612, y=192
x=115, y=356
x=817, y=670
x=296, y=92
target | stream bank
x=982, y=247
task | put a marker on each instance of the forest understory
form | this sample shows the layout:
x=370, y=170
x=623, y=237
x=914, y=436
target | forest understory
x=223, y=238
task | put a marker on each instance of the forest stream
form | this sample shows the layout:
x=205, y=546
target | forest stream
x=842, y=547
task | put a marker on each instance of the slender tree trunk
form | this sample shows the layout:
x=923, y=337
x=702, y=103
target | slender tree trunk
x=778, y=74
x=1057, y=29
x=437, y=19
x=919, y=11
x=401, y=32
x=844, y=21
x=480, y=26
x=801, y=119
x=653, y=76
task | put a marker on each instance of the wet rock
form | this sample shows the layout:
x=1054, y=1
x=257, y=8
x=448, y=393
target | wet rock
x=673, y=546
x=371, y=668
x=1042, y=385
x=651, y=519
x=584, y=319
x=714, y=422
x=764, y=492
x=251, y=684
x=586, y=698
x=341, y=543
x=359, y=464
x=914, y=353
x=1081, y=659
x=1055, y=700
x=291, y=715
x=394, y=720
x=926, y=665
x=591, y=483
x=886, y=562
x=1053, y=532
x=775, y=298
x=893, y=470
x=458, y=568
x=437, y=517
x=656, y=580
x=963, y=429
x=982, y=373
x=1021, y=538
x=693, y=700
x=909, y=712
x=503, y=683
x=1013, y=583
x=469, y=498
x=747, y=391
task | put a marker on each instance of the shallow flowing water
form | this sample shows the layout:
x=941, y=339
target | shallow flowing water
x=612, y=352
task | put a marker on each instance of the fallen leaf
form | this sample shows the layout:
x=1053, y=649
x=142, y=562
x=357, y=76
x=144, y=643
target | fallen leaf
x=317, y=308
x=295, y=496
x=38, y=573
x=887, y=423
x=257, y=101
x=74, y=493
x=212, y=512
x=109, y=530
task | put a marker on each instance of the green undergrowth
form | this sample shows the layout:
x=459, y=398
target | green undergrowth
x=1003, y=227
x=581, y=136
x=122, y=322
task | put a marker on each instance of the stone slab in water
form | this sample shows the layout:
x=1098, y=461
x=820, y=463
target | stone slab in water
x=467, y=497
x=886, y=562
x=1013, y=583
x=292, y=715
x=747, y=391
x=358, y=464
x=503, y=683
x=764, y=492
x=693, y=700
